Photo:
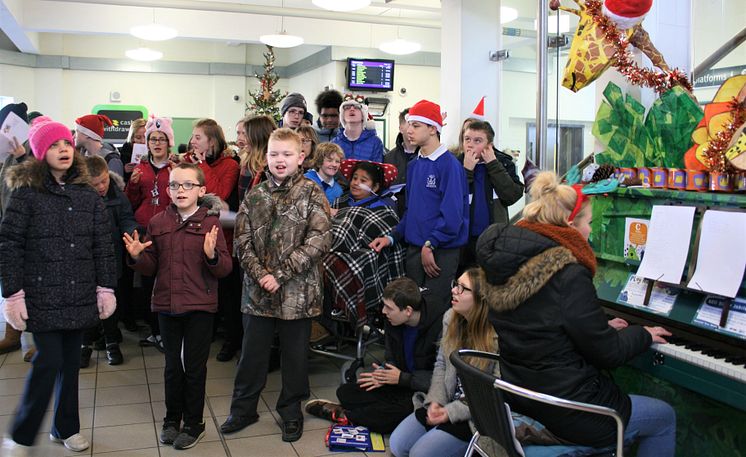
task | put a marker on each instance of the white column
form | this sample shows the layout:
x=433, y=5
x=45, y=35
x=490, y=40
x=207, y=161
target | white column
x=470, y=30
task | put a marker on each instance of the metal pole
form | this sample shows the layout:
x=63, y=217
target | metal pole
x=719, y=53
x=542, y=86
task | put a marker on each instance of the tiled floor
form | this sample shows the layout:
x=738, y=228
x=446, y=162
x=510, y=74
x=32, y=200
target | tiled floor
x=121, y=408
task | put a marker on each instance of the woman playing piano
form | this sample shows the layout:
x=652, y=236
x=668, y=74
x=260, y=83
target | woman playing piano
x=553, y=335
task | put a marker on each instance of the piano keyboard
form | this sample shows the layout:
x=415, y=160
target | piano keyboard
x=733, y=367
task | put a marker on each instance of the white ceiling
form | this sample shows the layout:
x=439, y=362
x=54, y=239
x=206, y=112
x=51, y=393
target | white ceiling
x=99, y=28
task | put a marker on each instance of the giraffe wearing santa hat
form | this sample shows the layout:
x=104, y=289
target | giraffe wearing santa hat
x=591, y=53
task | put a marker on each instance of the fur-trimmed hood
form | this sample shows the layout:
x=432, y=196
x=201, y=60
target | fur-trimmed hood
x=517, y=263
x=35, y=173
x=117, y=180
x=212, y=203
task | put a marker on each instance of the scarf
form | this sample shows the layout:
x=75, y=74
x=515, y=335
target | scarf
x=567, y=237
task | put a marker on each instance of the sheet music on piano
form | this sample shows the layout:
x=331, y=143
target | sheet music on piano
x=667, y=244
x=721, y=257
x=662, y=297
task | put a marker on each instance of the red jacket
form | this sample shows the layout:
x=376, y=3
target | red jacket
x=140, y=194
x=185, y=279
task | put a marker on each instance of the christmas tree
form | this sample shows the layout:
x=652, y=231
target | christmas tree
x=266, y=99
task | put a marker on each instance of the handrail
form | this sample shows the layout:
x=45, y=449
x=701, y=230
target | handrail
x=719, y=53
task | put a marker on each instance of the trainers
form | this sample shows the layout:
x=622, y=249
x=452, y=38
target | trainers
x=169, y=432
x=154, y=341
x=12, y=449
x=189, y=436
x=85, y=356
x=326, y=409
x=75, y=443
x=292, y=430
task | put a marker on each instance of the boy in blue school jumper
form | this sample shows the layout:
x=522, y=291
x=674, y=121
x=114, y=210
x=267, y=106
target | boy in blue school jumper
x=435, y=224
x=329, y=156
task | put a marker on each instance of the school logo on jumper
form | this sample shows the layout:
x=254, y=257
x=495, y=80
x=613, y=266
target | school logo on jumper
x=431, y=182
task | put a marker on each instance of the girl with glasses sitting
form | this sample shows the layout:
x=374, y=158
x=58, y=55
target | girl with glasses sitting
x=440, y=423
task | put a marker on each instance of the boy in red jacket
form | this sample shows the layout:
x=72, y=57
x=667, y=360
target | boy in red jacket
x=187, y=253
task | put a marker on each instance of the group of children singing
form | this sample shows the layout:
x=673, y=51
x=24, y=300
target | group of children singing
x=58, y=272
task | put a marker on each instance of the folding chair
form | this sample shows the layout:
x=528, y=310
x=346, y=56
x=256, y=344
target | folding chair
x=485, y=395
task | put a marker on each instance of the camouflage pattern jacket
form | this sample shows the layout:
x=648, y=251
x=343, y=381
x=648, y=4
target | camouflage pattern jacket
x=283, y=230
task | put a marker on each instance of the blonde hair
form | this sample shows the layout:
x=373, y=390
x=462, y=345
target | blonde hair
x=258, y=129
x=325, y=151
x=136, y=125
x=286, y=134
x=473, y=331
x=552, y=202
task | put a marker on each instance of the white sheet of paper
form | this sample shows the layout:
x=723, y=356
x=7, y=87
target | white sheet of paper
x=13, y=127
x=138, y=152
x=722, y=253
x=668, y=243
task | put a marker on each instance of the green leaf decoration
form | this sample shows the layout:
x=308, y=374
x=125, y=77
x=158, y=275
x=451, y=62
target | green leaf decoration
x=634, y=140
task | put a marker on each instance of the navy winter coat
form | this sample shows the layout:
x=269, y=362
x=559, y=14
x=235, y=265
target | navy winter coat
x=367, y=147
x=56, y=246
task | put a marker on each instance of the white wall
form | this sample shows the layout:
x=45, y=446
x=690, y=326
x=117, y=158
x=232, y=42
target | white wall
x=66, y=94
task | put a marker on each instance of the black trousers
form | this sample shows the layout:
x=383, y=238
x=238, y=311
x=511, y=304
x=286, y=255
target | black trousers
x=251, y=376
x=439, y=298
x=229, y=302
x=184, y=379
x=55, y=368
x=381, y=410
x=112, y=334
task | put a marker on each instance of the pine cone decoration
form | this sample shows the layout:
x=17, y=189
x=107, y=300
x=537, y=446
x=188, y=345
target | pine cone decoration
x=603, y=172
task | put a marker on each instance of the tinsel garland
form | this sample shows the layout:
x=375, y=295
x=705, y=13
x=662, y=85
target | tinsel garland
x=714, y=152
x=622, y=58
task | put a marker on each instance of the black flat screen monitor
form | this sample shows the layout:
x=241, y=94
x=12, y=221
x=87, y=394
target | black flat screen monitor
x=370, y=74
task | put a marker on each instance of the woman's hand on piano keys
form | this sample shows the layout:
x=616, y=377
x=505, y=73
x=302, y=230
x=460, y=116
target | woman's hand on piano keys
x=658, y=334
x=618, y=323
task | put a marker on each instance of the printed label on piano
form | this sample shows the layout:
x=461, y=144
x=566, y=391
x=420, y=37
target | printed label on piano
x=661, y=299
x=709, y=313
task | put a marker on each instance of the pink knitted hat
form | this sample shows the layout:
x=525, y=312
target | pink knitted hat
x=44, y=132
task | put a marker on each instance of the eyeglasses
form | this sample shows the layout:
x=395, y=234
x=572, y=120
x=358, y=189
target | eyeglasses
x=460, y=288
x=306, y=141
x=355, y=105
x=329, y=116
x=157, y=140
x=296, y=112
x=186, y=185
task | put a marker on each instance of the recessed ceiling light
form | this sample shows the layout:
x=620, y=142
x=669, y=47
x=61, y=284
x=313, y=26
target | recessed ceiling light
x=153, y=32
x=281, y=40
x=341, y=5
x=144, y=54
x=400, y=47
x=508, y=14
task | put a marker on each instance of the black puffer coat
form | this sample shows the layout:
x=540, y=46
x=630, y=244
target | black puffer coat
x=554, y=336
x=56, y=245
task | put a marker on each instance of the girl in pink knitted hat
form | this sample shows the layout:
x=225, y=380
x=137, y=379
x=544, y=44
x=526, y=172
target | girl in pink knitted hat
x=57, y=274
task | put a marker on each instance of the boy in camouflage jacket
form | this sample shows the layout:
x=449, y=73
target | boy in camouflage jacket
x=283, y=229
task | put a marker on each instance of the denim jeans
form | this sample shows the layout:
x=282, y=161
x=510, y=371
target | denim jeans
x=411, y=439
x=654, y=421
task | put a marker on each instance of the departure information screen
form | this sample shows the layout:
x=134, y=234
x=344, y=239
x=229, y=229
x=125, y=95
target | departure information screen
x=370, y=74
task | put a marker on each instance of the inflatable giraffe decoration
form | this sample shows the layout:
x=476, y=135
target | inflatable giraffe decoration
x=591, y=53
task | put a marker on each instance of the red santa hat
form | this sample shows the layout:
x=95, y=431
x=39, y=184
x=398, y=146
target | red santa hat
x=479, y=110
x=426, y=112
x=92, y=125
x=626, y=13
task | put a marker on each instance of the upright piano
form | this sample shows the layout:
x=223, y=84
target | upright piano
x=705, y=359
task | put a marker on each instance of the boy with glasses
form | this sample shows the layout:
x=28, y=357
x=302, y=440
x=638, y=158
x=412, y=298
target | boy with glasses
x=187, y=253
x=292, y=110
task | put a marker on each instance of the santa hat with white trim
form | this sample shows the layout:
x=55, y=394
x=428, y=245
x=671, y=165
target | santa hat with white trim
x=479, y=110
x=426, y=112
x=626, y=13
x=92, y=125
